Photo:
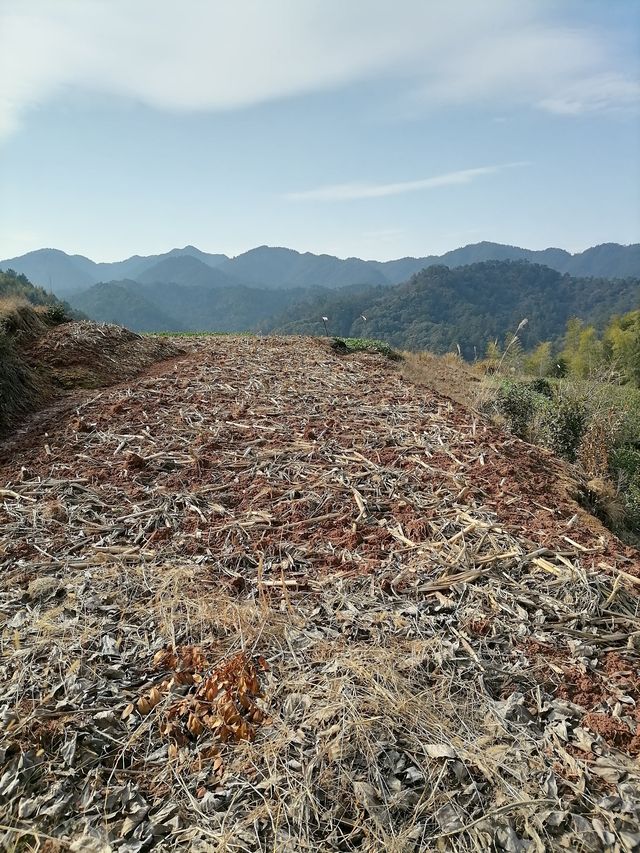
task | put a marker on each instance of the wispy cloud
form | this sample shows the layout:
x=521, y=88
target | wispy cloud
x=353, y=191
x=233, y=53
x=594, y=94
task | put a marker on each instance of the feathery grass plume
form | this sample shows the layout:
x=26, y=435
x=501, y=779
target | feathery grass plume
x=513, y=340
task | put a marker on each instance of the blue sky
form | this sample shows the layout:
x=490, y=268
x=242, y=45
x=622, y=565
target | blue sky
x=361, y=127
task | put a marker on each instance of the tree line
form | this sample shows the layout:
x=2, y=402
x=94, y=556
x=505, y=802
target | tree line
x=583, y=352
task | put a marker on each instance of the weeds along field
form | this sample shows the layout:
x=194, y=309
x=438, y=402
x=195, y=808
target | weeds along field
x=274, y=595
x=593, y=423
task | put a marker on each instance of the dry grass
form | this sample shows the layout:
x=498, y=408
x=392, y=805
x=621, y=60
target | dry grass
x=388, y=724
x=21, y=390
x=19, y=320
x=38, y=357
x=10, y=304
x=447, y=374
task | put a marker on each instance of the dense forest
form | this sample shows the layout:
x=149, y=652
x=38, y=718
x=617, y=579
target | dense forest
x=161, y=306
x=441, y=308
x=437, y=309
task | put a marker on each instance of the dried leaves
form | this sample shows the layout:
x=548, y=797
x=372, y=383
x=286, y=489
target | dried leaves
x=222, y=700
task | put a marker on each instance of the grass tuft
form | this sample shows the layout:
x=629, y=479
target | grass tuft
x=368, y=345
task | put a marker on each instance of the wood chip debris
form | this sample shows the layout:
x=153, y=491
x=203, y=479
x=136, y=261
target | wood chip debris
x=268, y=597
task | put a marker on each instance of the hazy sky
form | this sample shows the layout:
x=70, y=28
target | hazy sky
x=376, y=128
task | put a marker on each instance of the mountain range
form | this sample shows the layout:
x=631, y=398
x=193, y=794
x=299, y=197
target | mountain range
x=464, y=298
x=281, y=268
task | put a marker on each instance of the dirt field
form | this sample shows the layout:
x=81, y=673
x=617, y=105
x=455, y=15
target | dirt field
x=267, y=597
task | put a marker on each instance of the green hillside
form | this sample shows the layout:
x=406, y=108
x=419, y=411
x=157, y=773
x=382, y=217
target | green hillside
x=440, y=308
x=17, y=286
x=162, y=306
x=123, y=303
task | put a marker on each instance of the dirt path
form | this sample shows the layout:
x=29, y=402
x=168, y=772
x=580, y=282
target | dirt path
x=221, y=502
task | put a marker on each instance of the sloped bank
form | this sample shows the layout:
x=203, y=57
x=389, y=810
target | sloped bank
x=42, y=355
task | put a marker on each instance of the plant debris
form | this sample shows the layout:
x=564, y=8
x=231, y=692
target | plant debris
x=266, y=597
x=88, y=355
x=39, y=361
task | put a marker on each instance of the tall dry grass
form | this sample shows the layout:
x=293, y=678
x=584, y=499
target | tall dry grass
x=447, y=374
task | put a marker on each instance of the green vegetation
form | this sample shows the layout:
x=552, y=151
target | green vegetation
x=171, y=307
x=621, y=344
x=367, y=345
x=440, y=308
x=590, y=416
x=592, y=423
x=14, y=285
x=483, y=291
x=583, y=352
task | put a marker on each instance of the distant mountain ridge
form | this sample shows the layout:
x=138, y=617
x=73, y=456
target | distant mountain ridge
x=65, y=274
x=274, y=267
x=282, y=268
x=185, y=270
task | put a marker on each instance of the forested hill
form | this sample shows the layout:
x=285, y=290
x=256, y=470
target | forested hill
x=608, y=260
x=160, y=306
x=440, y=307
x=16, y=286
x=280, y=268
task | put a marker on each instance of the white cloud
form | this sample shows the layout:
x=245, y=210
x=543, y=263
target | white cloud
x=603, y=91
x=224, y=54
x=351, y=192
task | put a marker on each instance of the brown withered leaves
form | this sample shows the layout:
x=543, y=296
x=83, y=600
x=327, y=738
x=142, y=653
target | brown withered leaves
x=221, y=700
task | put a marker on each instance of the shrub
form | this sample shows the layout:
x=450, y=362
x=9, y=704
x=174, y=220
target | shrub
x=56, y=314
x=559, y=367
x=564, y=425
x=542, y=386
x=539, y=361
x=368, y=345
x=516, y=401
x=627, y=460
x=593, y=422
x=625, y=471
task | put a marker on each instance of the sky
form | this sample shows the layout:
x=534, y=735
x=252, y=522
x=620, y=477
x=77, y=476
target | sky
x=368, y=128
